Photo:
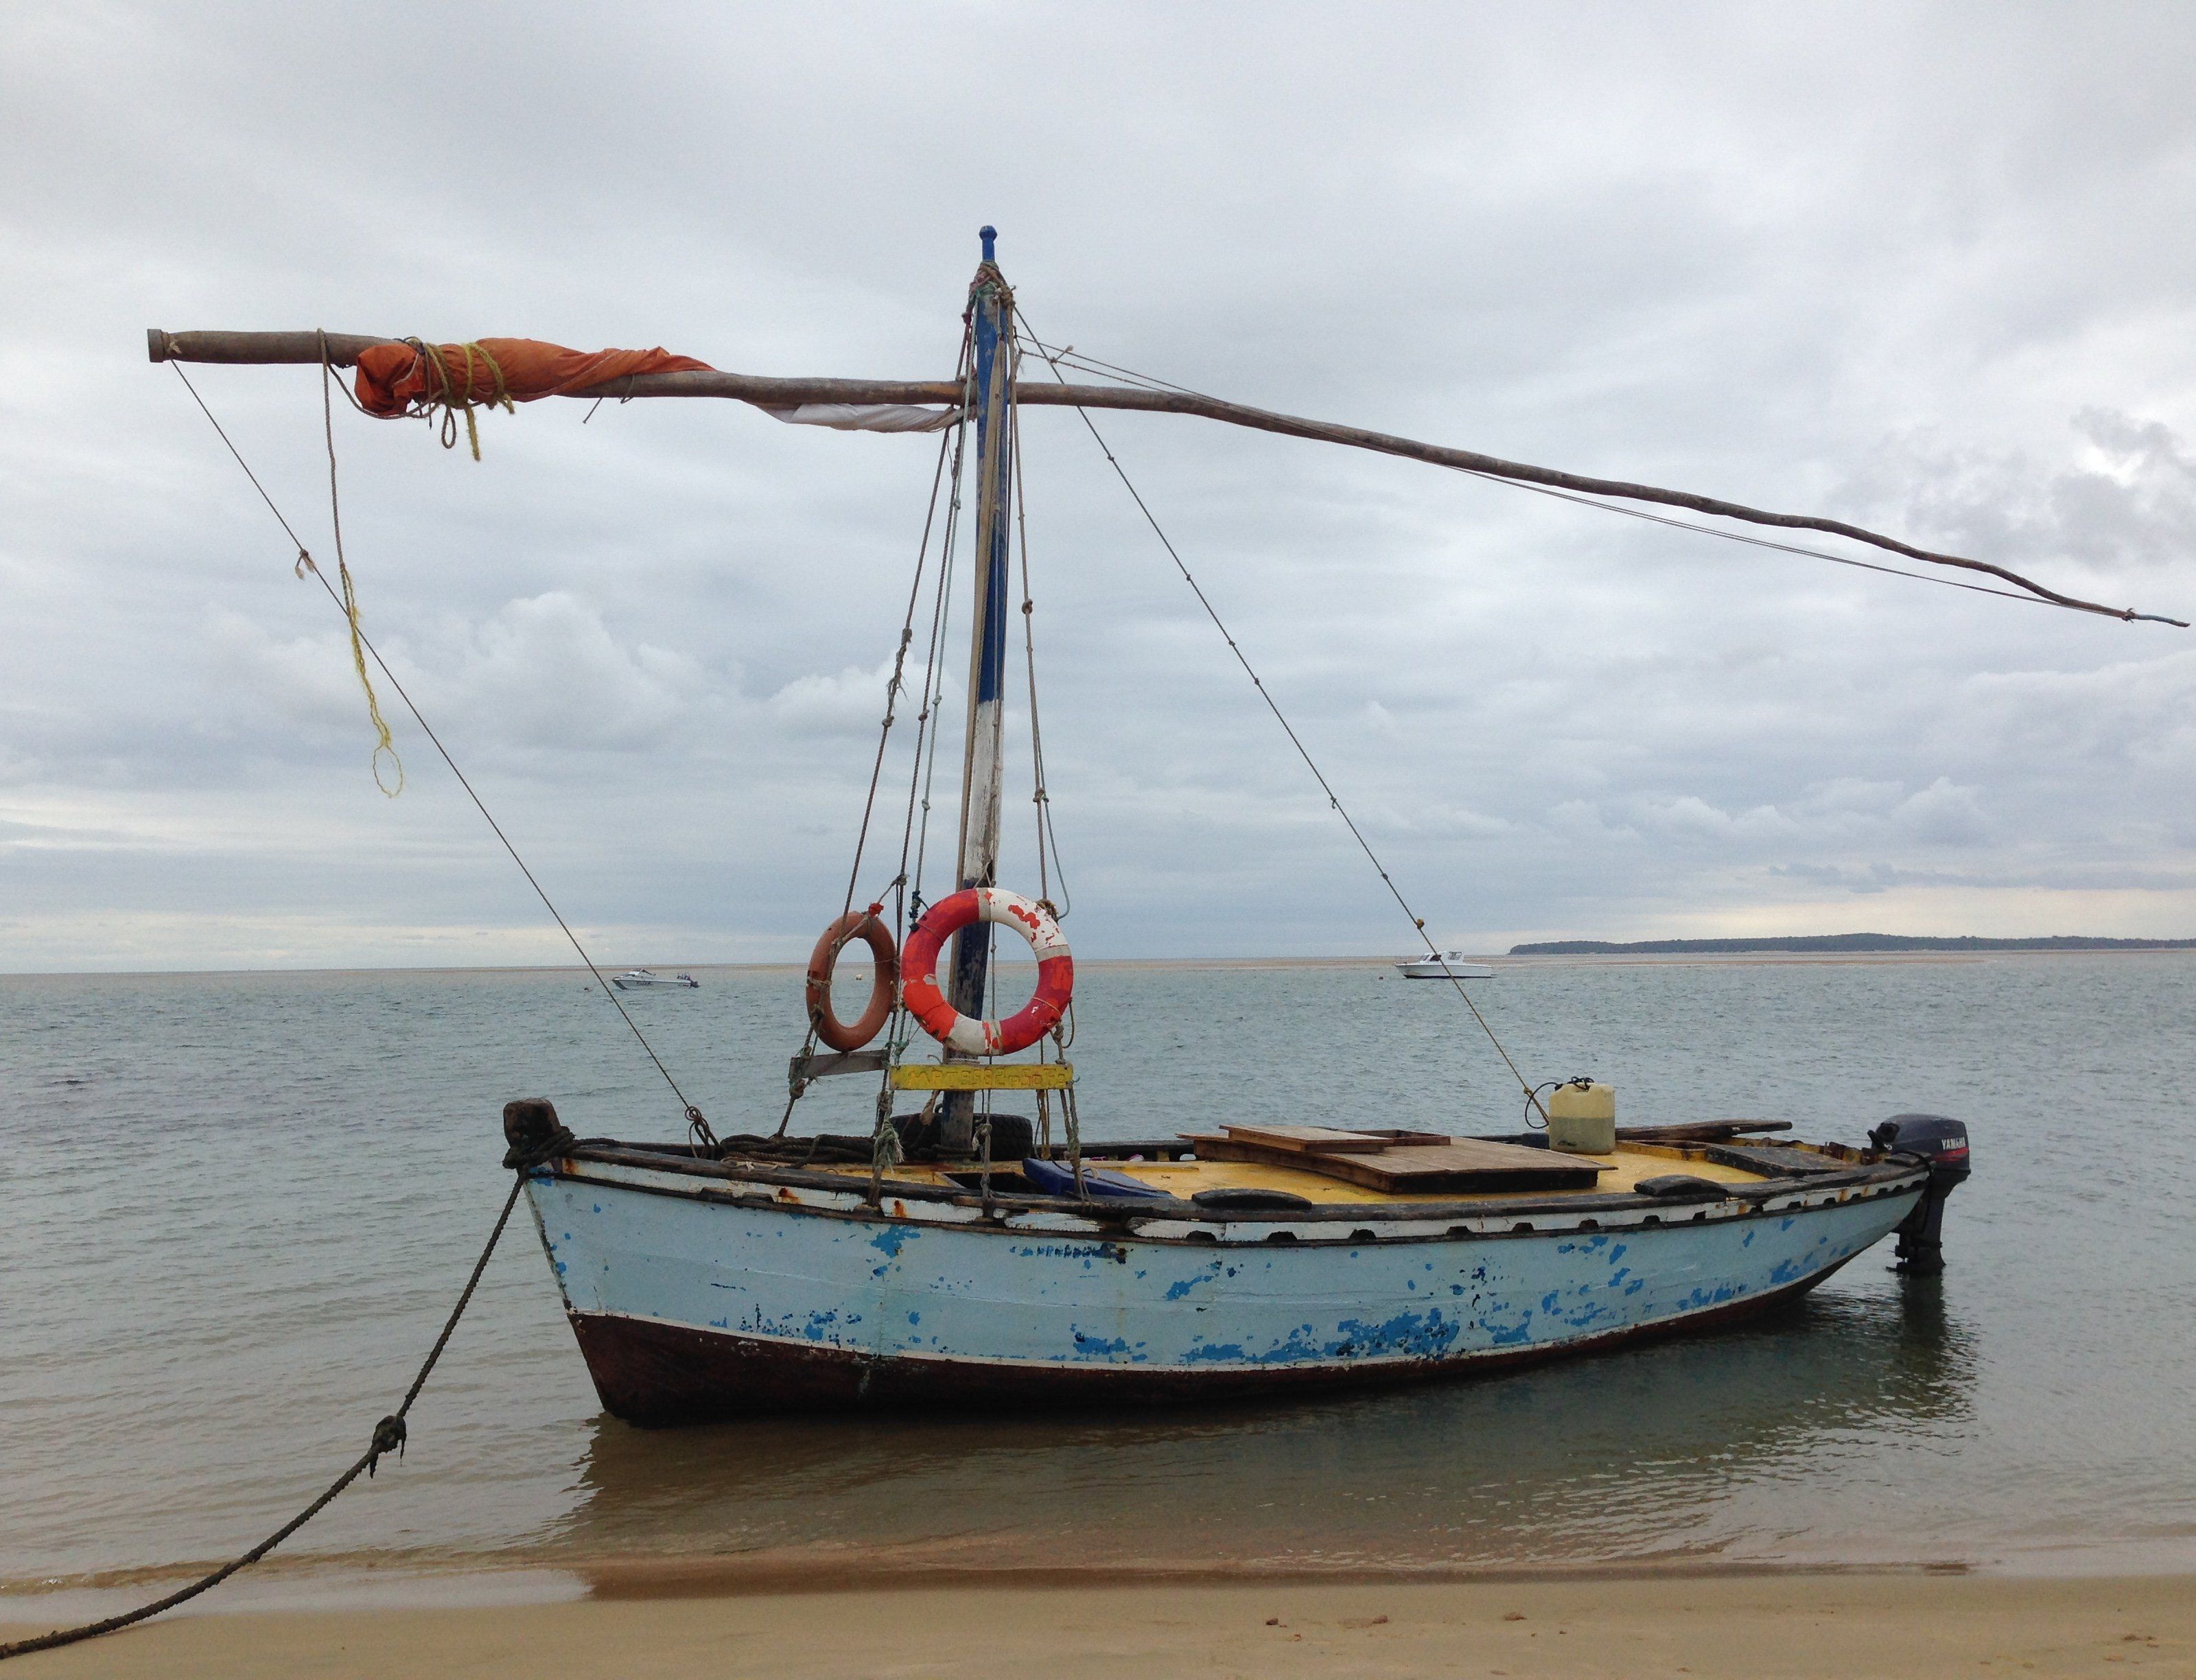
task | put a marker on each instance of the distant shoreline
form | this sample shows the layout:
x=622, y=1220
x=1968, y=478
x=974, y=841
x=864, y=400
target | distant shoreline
x=1707, y=952
x=1880, y=944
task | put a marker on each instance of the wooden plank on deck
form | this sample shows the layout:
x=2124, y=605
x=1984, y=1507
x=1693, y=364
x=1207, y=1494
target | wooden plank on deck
x=1434, y=1165
x=1321, y=1140
x=1458, y=1164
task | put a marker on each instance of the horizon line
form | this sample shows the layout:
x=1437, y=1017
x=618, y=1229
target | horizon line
x=2123, y=945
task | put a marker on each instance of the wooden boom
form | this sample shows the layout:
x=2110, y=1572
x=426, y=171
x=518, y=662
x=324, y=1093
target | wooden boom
x=342, y=350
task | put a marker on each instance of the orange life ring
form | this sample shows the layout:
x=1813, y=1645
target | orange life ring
x=1055, y=971
x=884, y=989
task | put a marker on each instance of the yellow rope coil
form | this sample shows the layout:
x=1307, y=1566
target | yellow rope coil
x=456, y=396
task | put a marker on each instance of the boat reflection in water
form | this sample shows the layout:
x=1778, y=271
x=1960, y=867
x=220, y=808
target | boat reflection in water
x=1809, y=1419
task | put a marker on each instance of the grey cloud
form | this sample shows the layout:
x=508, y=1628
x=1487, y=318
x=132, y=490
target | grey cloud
x=1942, y=814
x=2130, y=508
x=1910, y=266
x=1877, y=878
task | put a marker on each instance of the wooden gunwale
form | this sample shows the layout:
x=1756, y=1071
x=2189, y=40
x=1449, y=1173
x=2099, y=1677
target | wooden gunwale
x=1117, y=1219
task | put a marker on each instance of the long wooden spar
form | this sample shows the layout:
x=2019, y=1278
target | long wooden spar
x=343, y=349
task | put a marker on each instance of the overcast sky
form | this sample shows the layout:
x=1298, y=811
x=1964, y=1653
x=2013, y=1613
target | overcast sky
x=1925, y=268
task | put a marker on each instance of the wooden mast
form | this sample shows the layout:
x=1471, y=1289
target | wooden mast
x=992, y=304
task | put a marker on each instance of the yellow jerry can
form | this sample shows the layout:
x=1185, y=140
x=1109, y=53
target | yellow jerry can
x=1582, y=1117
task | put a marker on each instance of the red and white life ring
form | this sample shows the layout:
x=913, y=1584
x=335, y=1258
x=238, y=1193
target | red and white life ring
x=1055, y=971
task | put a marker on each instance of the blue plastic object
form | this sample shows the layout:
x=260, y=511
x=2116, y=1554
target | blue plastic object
x=988, y=235
x=1051, y=1178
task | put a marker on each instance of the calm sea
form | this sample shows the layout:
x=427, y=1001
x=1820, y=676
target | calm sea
x=237, y=1207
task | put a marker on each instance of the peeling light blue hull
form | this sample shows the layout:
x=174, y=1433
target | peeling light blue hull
x=691, y=1307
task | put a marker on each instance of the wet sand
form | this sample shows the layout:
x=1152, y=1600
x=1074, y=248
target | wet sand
x=1764, y=1627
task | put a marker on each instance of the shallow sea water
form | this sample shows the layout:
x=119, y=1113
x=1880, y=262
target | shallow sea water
x=237, y=1207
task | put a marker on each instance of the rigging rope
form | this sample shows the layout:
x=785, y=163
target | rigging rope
x=383, y=744
x=1041, y=797
x=922, y=768
x=922, y=772
x=1756, y=542
x=1332, y=798
x=900, y=660
x=696, y=1123
x=948, y=447
x=907, y=891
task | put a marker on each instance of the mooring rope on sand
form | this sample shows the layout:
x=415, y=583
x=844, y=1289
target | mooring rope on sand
x=389, y=1436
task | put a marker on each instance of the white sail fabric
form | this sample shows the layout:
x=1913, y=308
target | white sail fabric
x=867, y=416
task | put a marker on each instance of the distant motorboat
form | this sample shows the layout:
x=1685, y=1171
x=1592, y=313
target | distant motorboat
x=633, y=979
x=1448, y=964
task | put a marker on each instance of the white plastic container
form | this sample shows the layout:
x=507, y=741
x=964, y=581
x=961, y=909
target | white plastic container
x=1582, y=1119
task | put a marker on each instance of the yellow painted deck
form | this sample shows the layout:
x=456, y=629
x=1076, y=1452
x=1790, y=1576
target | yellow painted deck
x=1631, y=1163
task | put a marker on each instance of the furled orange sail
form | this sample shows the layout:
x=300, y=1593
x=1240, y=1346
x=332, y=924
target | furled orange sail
x=402, y=378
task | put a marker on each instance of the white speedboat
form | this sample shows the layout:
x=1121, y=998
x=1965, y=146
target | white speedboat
x=634, y=979
x=1448, y=965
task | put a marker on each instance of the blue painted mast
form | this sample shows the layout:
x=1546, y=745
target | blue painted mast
x=991, y=304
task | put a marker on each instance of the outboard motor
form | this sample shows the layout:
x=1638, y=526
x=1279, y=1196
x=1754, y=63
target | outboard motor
x=1943, y=1143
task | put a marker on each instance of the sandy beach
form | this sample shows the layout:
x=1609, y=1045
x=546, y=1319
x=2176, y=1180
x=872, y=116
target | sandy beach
x=1762, y=1626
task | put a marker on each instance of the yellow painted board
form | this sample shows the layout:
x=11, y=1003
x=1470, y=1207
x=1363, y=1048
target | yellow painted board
x=982, y=1077
x=1632, y=1162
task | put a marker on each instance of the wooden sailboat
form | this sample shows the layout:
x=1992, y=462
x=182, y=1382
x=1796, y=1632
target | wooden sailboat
x=967, y=1253
x=702, y=1288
